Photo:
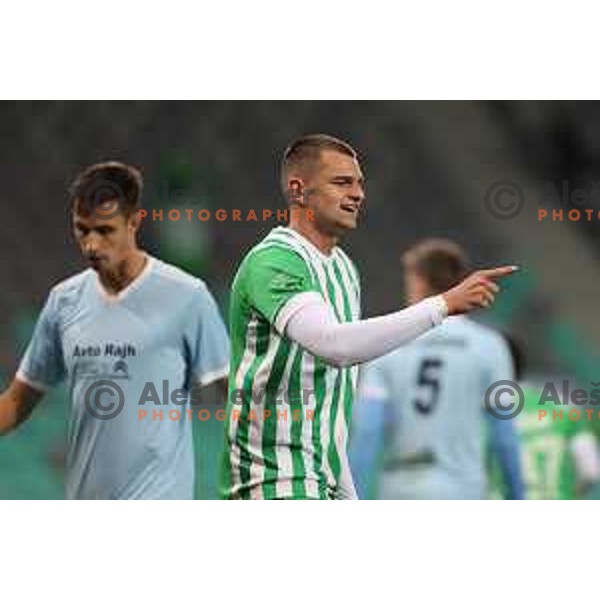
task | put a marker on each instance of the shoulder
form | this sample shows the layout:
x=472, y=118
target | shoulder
x=275, y=252
x=177, y=280
x=70, y=291
x=73, y=283
x=485, y=337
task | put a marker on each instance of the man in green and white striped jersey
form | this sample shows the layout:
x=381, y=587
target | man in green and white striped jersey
x=297, y=339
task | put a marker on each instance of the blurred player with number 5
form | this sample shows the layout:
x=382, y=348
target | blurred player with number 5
x=420, y=421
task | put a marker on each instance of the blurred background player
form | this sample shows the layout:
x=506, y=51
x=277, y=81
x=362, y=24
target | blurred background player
x=296, y=334
x=418, y=429
x=125, y=327
x=560, y=455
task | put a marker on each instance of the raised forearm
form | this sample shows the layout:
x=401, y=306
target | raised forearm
x=316, y=328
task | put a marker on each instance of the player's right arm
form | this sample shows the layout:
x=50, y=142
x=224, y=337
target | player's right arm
x=41, y=367
x=16, y=404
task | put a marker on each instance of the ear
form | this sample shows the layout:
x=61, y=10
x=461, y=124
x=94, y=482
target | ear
x=295, y=190
x=135, y=220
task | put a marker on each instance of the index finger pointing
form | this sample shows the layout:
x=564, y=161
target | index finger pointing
x=499, y=271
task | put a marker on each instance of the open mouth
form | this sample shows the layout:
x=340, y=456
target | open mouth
x=350, y=208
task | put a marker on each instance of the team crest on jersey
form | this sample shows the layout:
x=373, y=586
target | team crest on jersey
x=120, y=370
x=284, y=281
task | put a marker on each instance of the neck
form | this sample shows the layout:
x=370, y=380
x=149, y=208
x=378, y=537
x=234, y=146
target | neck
x=131, y=267
x=323, y=241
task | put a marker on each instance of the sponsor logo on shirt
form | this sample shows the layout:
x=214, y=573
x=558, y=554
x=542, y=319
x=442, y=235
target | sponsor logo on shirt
x=105, y=367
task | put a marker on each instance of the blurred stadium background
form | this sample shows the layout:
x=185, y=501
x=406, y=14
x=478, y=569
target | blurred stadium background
x=429, y=167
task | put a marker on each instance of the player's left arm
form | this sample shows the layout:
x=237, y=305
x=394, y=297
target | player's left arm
x=503, y=438
x=315, y=327
x=208, y=342
x=504, y=446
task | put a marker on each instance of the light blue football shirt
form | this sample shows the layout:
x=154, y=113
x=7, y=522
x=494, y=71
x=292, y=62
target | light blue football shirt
x=162, y=333
x=433, y=392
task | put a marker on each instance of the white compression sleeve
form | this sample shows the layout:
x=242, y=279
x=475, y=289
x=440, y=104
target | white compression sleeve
x=316, y=328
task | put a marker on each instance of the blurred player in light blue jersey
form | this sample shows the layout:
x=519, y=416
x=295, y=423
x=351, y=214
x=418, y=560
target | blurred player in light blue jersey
x=126, y=333
x=419, y=420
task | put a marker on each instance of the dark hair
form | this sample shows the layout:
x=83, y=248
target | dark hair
x=306, y=151
x=107, y=182
x=441, y=262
